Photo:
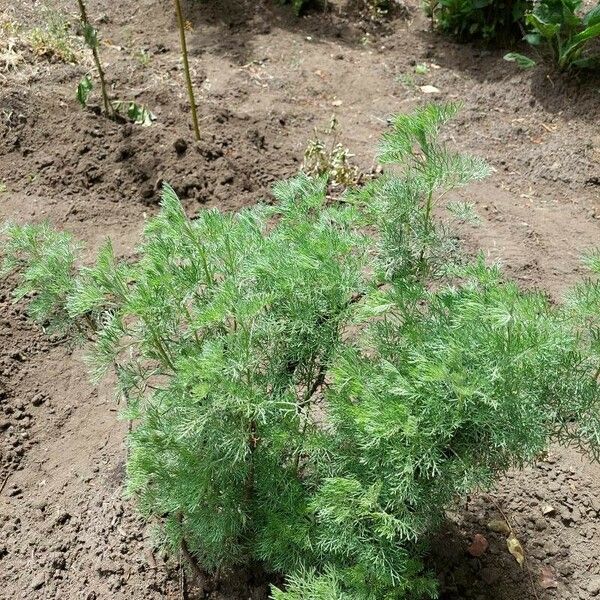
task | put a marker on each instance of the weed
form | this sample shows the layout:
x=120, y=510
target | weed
x=53, y=40
x=300, y=6
x=417, y=77
x=11, y=28
x=143, y=57
x=332, y=160
x=10, y=57
x=309, y=395
x=84, y=89
x=522, y=61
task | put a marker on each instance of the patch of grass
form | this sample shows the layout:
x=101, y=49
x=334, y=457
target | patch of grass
x=53, y=40
x=11, y=28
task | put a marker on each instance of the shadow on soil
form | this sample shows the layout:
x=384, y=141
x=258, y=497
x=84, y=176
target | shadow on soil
x=494, y=576
x=228, y=27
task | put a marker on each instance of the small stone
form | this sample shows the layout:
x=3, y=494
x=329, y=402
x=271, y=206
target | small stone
x=479, y=545
x=551, y=548
x=38, y=581
x=540, y=524
x=15, y=491
x=566, y=569
x=180, y=146
x=593, y=585
x=108, y=567
x=62, y=518
x=554, y=486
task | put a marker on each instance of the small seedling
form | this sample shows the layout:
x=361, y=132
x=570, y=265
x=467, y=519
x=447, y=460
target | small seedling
x=143, y=57
x=131, y=110
x=135, y=112
x=84, y=89
x=10, y=57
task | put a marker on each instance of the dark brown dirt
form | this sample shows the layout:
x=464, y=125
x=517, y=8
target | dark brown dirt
x=265, y=79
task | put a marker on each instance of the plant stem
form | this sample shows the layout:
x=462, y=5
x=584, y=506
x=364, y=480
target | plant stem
x=427, y=229
x=84, y=19
x=191, y=560
x=252, y=444
x=186, y=68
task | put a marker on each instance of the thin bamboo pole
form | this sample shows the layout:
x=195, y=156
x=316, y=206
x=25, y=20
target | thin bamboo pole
x=186, y=68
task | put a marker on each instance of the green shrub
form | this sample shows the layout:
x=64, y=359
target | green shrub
x=310, y=384
x=491, y=20
x=569, y=35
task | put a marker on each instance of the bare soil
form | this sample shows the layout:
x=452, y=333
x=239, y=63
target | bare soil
x=265, y=79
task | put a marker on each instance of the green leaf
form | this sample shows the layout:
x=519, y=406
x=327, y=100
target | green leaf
x=588, y=62
x=546, y=30
x=592, y=17
x=84, y=89
x=522, y=61
x=90, y=35
x=138, y=113
x=574, y=46
x=535, y=39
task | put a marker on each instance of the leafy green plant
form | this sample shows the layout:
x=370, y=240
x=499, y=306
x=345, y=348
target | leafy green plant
x=495, y=21
x=569, y=35
x=131, y=110
x=137, y=113
x=310, y=384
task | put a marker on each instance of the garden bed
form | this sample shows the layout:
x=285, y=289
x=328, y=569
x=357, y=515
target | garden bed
x=265, y=80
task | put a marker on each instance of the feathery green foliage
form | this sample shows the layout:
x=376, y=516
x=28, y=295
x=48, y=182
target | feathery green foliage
x=309, y=395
